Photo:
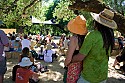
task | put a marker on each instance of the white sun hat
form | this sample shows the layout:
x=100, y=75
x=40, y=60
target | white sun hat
x=17, y=38
x=105, y=18
x=25, y=62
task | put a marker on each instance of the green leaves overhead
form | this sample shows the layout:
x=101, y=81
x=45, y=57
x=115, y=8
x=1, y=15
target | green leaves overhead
x=118, y=5
x=19, y=11
x=62, y=12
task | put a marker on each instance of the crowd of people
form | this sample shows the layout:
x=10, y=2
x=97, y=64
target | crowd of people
x=24, y=70
x=87, y=52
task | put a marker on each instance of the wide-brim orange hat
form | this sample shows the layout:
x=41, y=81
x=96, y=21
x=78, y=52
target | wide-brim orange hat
x=78, y=25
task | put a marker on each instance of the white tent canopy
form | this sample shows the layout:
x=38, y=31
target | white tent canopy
x=35, y=20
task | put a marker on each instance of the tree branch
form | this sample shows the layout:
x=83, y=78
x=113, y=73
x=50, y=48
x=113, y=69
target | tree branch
x=120, y=20
x=96, y=6
x=88, y=6
x=30, y=5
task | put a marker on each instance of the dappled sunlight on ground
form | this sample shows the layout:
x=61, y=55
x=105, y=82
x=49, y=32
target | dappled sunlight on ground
x=55, y=73
x=113, y=73
x=52, y=75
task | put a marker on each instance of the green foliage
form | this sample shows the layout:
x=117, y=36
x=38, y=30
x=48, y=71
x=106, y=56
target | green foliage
x=118, y=5
x=64, y=15
x=89, y=19
x=14, y=12
x=50, y=9
x=62, y=12
x=18, y=13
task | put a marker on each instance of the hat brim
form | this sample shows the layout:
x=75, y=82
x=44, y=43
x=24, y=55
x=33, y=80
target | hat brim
x=72, y=27
x=22, y=64
x=111, y=24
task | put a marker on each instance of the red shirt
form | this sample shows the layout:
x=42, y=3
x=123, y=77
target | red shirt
x=23, y=75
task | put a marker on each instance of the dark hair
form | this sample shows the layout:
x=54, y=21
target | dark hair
x=25, y=36
x=17, y=40
x=25, y=51
x=13, y=38
x=80, y=39
x=107, y=35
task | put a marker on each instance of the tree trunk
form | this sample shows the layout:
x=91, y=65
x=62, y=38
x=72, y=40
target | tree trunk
x=96, y=6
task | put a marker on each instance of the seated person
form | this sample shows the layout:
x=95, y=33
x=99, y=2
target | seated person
x=120, y=58
x=12, y=43
x=33, y=43
x=48, y=53
x=121, y=44
x=17, y=45
x=54, y=45
x=25, y=53
x=23, y=73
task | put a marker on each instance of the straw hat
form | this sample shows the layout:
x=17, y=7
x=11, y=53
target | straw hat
x=25, y=62
x=78, y=25
x=105, y=18
x=48, y=47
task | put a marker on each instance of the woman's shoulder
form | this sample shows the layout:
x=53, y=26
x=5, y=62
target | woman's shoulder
x=73, y=38
x=73, y=41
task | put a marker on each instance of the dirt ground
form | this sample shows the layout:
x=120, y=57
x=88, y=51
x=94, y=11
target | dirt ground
x=56, y=71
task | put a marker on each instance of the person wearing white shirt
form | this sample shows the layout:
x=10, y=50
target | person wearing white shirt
x=25, y=42
x=48, y=53
x=66, y=42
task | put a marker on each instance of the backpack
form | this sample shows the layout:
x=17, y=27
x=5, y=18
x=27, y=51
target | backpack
x=34, y=54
